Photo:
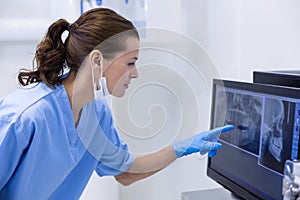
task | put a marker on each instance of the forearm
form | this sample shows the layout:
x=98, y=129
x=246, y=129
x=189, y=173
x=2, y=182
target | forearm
x=205, y=142
x=153, y=162
x=147, y=165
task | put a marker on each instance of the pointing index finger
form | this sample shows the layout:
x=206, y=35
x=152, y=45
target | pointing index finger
x=217, y=131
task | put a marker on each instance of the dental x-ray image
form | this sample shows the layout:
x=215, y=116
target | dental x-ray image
x=244, y=111
x=277, y=129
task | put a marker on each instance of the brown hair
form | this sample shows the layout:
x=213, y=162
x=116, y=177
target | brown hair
x=93, y=29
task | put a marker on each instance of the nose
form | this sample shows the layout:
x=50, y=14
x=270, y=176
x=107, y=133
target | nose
x=134, y=73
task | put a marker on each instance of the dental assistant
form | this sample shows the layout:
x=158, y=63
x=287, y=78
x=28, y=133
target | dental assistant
x=58, y=128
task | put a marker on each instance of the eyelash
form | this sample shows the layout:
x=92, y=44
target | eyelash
x=130, y=64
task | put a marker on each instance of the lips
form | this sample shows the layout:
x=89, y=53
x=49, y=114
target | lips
x=126, y=85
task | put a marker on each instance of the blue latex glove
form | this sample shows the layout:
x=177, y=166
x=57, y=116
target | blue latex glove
x=203, y=142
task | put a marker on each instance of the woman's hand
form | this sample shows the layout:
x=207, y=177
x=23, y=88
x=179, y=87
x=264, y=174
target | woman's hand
x=203, y=142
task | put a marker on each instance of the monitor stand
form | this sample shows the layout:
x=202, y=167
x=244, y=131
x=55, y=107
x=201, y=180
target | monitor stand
x=211, y=194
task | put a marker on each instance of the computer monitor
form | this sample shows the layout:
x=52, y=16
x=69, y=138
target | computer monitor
x=290, y=78
x=266, y=118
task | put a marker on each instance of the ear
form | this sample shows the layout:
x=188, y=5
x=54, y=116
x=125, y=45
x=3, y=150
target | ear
x=96, y=59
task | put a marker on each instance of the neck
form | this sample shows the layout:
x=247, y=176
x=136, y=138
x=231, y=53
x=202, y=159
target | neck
x=76, y=96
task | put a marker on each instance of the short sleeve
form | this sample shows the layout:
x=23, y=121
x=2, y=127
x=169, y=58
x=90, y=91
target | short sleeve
x=116, y=158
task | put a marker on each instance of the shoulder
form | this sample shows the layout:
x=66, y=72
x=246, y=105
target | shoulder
x=103, y=111
x=13, y=105
x=25, y=108
x=102, y=106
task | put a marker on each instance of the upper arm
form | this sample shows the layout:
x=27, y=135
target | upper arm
x=116, y=157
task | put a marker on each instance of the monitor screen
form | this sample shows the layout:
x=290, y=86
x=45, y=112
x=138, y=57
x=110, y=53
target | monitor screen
x=266, y=118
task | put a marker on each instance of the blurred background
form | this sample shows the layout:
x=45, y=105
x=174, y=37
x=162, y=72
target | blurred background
x=235, y=36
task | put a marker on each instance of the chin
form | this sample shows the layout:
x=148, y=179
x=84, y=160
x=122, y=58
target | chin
x=119, y=94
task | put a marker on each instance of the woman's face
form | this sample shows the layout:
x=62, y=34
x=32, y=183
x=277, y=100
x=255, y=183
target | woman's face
x=122, y=69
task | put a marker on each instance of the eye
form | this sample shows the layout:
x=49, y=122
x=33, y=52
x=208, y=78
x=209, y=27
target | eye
x=131, y=64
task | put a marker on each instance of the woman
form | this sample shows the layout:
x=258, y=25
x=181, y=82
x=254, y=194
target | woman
x=58, y=129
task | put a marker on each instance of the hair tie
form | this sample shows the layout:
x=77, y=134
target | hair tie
x=72, y=26
x=69, y=27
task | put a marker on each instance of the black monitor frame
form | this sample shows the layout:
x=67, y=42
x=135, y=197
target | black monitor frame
x=289, y=78
x=243, y=190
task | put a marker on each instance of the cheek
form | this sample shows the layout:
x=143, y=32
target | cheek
x=117, y=77
x=115, y=80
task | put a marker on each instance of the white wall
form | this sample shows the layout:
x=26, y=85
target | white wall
x=214, y=24
x=269, y=35
x=246, y=35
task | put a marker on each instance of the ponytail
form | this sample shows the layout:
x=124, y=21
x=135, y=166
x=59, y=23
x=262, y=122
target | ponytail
x=49, y=57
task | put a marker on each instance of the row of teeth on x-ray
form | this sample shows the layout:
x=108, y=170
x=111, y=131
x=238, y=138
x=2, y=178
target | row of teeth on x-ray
x=243, y=109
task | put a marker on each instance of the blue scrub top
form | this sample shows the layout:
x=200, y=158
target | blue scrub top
x=42, y=153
